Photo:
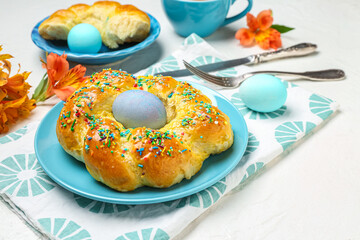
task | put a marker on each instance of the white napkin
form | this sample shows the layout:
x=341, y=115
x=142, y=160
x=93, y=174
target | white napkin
x=58, y=213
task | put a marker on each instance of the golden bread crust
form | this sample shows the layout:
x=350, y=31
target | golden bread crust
x=125, y=159
x=117, y=24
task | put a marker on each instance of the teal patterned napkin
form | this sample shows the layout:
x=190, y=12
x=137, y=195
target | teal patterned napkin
x=58, y=213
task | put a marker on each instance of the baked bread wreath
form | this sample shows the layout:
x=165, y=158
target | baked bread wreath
x=125, y=159
x=117, y=24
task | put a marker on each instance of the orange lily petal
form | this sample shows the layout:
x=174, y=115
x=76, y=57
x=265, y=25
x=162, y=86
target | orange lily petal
x=16, y=86
x=5, y=56
x=26, y=107
x=3, y=78
x=3, y=94
x=11, y=111
x=275, y=39
x=18, y=79
x=64, y=93
x=60, y=80
x=252, y=22
x=12, y=115
x=4, y=75
x=57, y=67
x=245, y=36
x=265, y=19
x=7, y=65
x=72, y=78
x=18, y=91
x=3, y=120
x=14, y=103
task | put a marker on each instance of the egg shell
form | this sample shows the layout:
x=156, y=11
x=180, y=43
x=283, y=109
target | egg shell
x=136, y=108
x=84, y=38
x=263, y=93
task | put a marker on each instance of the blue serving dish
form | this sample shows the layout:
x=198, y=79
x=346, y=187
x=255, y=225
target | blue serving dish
x=73, y=176
x=105, y=54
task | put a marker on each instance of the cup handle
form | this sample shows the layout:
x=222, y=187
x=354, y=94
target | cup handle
x=240, y=15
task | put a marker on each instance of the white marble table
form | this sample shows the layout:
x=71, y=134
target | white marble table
x=312, y=192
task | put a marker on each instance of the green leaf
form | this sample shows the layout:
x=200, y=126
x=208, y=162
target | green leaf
x=282, y=28
x=40, y=91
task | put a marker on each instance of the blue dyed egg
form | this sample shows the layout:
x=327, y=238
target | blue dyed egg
x=84, y=38
x=136, y=108
x=263, y=93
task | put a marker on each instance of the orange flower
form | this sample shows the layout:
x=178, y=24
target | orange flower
x=246, y=37
x=265, y=19
x=260, y=31
x=252, y=22
x=14, y=102
x=59, y=80
x=270, y=38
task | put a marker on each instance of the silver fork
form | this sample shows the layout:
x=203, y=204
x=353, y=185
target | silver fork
x=324, y=75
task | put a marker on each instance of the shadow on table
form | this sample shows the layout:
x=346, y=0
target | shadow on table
x=132, y=64
x=222, y=34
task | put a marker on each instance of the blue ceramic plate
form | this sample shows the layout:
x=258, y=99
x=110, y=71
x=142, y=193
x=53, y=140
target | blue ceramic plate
x=105, y=54
x=72, y=174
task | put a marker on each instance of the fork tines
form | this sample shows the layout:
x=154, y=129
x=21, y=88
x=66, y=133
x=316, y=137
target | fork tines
x=214, y=79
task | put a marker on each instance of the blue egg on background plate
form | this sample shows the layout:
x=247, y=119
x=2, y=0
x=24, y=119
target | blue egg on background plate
x=84, y=38
x=263, y=93
x=137, y=108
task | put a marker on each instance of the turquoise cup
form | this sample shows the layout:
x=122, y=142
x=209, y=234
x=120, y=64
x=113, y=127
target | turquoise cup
x=202, y=17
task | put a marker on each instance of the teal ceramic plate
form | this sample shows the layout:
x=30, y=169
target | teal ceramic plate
x=105, y=54
x=72, y=174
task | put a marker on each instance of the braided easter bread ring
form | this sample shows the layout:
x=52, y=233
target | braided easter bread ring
x=116, y=23
x=125, y=159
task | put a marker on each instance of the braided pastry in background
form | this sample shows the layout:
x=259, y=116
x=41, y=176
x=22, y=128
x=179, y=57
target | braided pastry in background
x=117, y=24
